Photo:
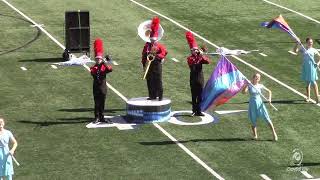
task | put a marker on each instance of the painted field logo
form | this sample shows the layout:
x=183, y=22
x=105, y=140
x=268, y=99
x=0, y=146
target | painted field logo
x=297, y=157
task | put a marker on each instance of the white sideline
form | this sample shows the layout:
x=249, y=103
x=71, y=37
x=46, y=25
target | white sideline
x=308, y=17
x=216, y=46
x=125, y=99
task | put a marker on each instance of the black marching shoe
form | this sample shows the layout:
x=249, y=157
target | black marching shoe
x=96, y=120
x=199, y=114
x=150, y=98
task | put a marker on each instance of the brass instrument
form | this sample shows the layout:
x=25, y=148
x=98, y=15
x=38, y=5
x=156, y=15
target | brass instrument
x=144, y=30
x=150, y=57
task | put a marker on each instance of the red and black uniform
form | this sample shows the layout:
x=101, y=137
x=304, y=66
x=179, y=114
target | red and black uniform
x=154, y=76
x=196, y=79
x=99, y=72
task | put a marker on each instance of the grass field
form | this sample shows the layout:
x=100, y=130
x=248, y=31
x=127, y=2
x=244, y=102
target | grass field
x=47, y=109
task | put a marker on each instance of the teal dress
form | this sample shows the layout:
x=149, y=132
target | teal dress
x=309, y=70
x=257, y=109
x=6, y=165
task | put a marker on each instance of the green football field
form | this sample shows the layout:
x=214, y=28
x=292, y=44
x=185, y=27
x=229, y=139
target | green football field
x=48, y=109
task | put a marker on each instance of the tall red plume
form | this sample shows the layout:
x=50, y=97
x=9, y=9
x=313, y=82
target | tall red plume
x=154, y=28
x=98, y=48
x=191, y=40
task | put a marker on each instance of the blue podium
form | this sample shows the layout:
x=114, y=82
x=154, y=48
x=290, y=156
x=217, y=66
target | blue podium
x=141, y=110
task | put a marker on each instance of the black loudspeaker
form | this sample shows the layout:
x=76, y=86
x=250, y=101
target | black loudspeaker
x=77, y=31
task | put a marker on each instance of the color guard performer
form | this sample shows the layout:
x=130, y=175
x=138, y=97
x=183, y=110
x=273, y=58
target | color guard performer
x=154, y=53
x=99, y=72
x=195, y=61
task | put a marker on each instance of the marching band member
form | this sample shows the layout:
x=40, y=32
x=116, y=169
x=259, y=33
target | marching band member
x=154, y=52
x=309, y=67
x=98, y=72
x=195, y=61
x=256, y=107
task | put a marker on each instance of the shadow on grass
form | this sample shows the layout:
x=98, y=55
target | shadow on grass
x=62, y=121
x=295, y=101
x=26, y=43
x=43, y=60
x=198, y=140
x=310, y=164
x=90, y=110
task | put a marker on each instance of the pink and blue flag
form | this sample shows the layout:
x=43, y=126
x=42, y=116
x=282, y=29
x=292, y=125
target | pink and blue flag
x=225, y=82
x=280, y=23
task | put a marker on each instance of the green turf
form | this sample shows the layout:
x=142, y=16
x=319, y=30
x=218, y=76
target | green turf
x=47, y=109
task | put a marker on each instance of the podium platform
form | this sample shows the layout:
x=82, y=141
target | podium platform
x=141, y=110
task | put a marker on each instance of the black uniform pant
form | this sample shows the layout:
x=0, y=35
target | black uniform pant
x=196, y=92
x=99, y=96
x=154, y=81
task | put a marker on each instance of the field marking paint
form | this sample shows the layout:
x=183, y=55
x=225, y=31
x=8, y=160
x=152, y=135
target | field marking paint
x=262, y=54
x=34, y=23
x=54, y=66
x=265, y=177
x=37, y=25
x=175, y=60
x=216, y=46
x=308, y=17
x=125, y=99
x=293, y=53
x=306, y=174
x=115, y=63
x=23, y=68
x=188, y=152
x=230, y=111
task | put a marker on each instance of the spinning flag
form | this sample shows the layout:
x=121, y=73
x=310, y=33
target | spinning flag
x=225, y=82
x=280, y=23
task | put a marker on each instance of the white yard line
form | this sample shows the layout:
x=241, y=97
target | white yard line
x=125, y=99
x=291, y=52
x=306, y=174
x=175, y=60
x=265, y=177
x=308, y=17
x=189, y=152
x=216, y=46
x=262, y=54
x=54, y=66
x=23, y=68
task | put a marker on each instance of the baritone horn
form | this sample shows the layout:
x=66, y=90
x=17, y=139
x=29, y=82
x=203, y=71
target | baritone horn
x=150, y=57
x=144, y=31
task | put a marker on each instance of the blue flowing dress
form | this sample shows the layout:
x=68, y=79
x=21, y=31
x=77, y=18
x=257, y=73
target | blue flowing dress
x=309, y=70
x=257, y=109
x=6, y=165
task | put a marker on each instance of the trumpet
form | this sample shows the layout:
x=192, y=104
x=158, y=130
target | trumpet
x=150, y=57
